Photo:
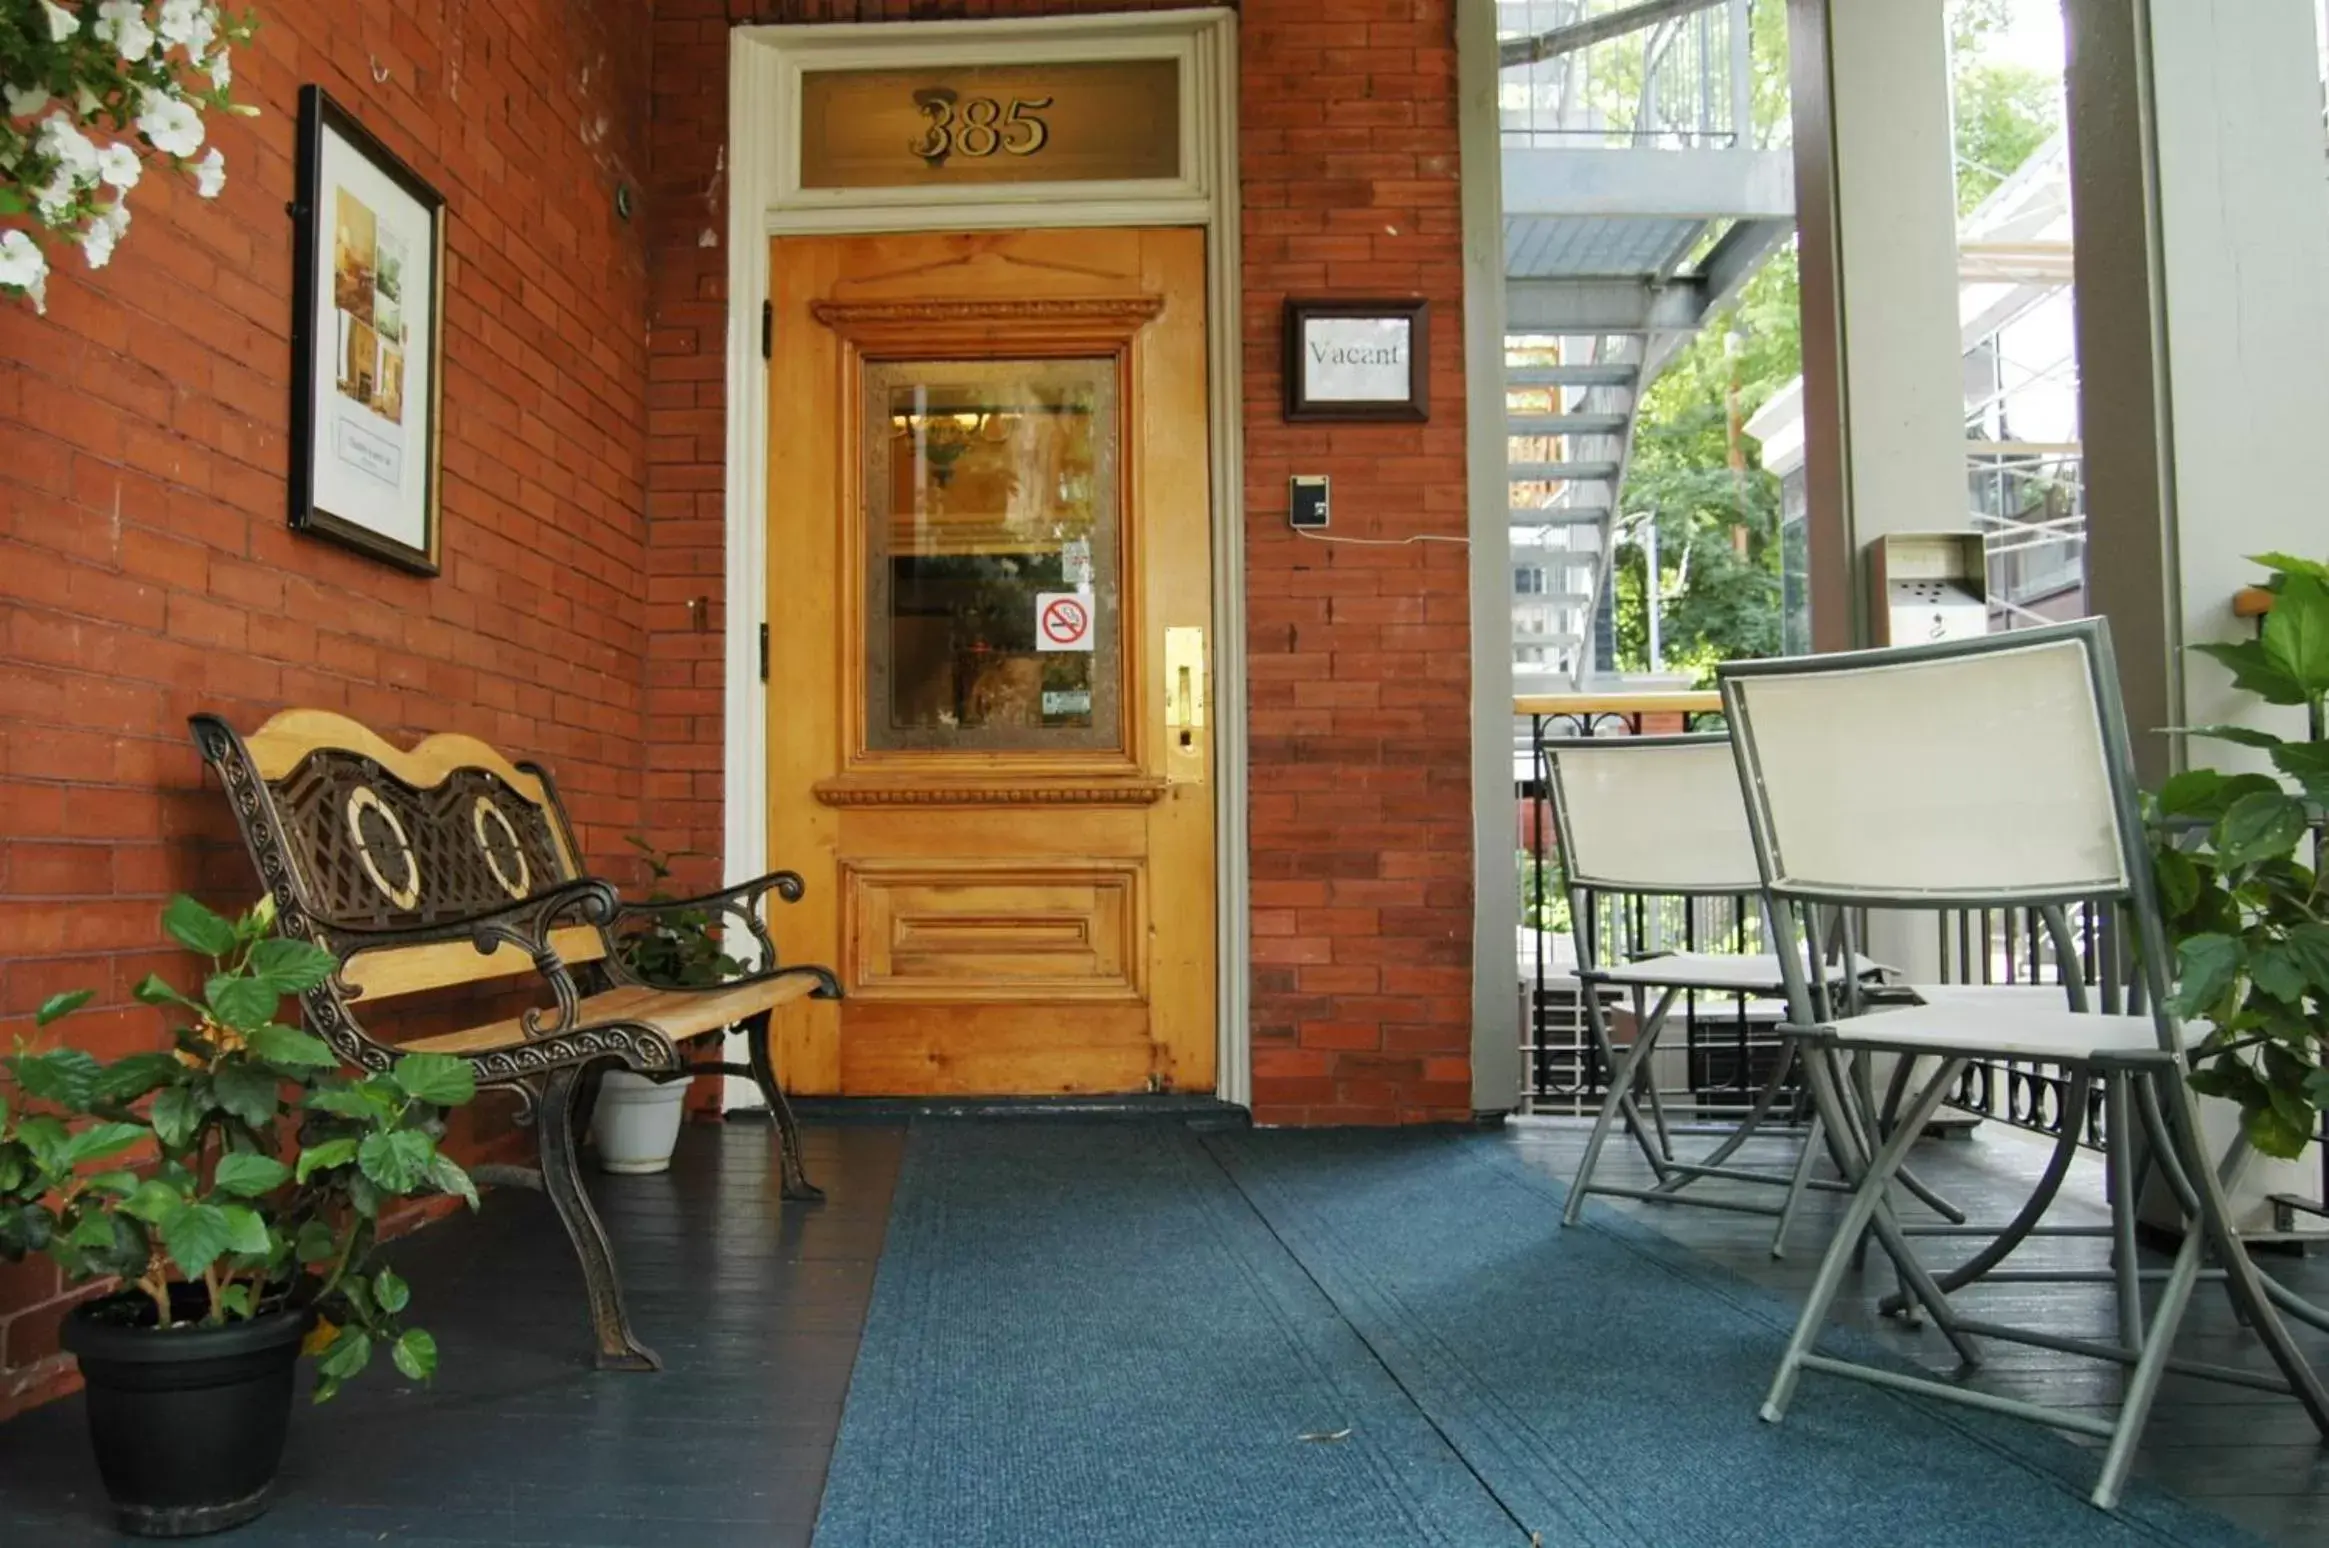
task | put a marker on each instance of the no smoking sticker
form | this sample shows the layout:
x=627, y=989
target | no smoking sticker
x=1063, y=620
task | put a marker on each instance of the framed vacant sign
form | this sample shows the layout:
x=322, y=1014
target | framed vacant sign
x=366, y=341
x=1357, y=360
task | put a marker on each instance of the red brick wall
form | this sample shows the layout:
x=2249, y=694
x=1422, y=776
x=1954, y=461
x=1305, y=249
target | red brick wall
x=145, y=569
x=1359, y=667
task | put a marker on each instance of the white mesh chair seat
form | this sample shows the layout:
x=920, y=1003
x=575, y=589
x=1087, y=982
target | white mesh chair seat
x=2004, y=1021
x=1716, y=972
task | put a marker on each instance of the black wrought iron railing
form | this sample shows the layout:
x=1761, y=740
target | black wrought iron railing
x=2014, y=947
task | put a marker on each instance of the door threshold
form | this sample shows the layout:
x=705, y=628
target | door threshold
x=1196, y=1111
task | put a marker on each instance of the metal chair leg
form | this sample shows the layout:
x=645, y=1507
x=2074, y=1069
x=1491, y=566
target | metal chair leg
x=610, y=1324
x=1651, y=1137
x=2241, y=1276
x=796, y=1185
x=2125, y=1193
x=1797, y=1186
x=1865, y=1214
x=1621, y=1085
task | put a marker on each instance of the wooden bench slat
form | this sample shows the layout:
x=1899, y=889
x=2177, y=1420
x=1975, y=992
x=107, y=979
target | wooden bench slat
x=395, y=970
x=681, y=1013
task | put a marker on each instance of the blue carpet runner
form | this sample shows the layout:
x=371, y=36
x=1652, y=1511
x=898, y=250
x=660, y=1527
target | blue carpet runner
x=1136, y=1335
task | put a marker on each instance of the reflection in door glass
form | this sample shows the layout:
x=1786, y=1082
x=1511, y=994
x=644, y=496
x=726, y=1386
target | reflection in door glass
x=992, y=581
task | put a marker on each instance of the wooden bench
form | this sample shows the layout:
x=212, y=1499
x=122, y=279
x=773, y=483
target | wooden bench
x=449, y=865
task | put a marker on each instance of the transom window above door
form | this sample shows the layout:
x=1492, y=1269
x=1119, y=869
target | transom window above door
x=993, y=564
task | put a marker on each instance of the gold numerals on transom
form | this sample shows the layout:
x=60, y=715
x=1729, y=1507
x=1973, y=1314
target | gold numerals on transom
x=978, y=127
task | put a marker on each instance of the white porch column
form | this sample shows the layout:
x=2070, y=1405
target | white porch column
x=2201, y=202
x=1884, y=393
x=1883, y=373
x=1496, y=1065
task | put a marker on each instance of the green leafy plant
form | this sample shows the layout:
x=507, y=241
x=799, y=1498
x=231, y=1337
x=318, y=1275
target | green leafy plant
x=675, y=947
x=240, y=1172
x=2238, y=860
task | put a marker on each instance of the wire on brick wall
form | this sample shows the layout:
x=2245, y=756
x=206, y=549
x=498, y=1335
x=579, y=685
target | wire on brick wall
x=1420, y=537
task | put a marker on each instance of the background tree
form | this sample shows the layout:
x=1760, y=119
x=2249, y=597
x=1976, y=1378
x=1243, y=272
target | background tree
x=1693, y=473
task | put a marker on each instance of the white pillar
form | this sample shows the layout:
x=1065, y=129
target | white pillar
x=1884, y=395
x=1496, y=1069
x=2202, y=224
x=1883, y=373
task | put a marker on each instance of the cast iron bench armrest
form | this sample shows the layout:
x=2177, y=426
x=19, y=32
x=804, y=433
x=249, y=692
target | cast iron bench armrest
x=741, y=901
x=527, y=924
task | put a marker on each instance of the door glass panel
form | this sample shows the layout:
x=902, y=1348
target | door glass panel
x=992, y=554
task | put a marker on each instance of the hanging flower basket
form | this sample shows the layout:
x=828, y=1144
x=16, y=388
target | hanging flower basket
x=93, y=91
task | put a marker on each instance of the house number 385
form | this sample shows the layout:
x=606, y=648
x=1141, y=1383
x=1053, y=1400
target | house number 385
x=978, y=127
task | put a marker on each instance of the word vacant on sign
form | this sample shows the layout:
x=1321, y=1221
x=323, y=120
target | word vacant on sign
x=1063, y=621
x=1063, y=123
x=1357, y=360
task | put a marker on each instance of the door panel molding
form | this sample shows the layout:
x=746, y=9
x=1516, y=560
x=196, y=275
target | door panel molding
x=757, y=208
x=973, y=931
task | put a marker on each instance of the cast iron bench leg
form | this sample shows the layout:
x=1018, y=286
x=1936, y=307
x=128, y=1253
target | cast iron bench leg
x=788, y=1128
x=618, y=1350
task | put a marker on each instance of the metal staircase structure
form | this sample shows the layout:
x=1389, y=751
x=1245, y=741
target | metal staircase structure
x=1636, y=202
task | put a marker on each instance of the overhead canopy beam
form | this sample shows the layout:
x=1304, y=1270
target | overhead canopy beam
x=1737, y=254
x=1596, y=29
x=1619, y=305
x=1682, y=184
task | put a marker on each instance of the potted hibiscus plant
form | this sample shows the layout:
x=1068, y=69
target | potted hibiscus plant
x=2239, y=862
x=231, y=1186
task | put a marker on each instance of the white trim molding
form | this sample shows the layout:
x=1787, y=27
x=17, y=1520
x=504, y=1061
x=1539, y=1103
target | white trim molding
x=764, y=70
x=1496, y=1071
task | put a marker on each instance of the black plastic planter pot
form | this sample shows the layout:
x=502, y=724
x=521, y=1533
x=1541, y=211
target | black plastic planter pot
x=189, y=1422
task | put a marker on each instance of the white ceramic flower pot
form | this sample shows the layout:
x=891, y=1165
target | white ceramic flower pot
x=637, y=1122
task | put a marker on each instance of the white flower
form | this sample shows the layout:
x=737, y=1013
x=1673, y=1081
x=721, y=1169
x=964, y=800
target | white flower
x=24, y=101
x=222, y=70
x=62, y=23
x=116, y=215
x=24, y=267
x=55, y=202
x=210, y=174
x=118, y=165
x=172, y=125
x=188, y=23
x=123, y=24
x=97, y=239
x=63, y=142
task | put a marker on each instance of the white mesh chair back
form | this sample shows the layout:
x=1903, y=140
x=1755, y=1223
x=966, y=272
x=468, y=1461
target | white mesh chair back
x=1990, y=772
x=1652, y=814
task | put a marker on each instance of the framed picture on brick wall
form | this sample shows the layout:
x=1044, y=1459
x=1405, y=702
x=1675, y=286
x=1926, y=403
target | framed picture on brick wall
x=367, y=342
x=1358, y=360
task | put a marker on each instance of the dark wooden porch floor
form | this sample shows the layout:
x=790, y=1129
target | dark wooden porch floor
x=756, y=1310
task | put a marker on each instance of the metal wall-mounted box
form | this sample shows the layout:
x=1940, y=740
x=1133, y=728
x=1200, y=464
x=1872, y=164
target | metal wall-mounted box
x=1927, y=586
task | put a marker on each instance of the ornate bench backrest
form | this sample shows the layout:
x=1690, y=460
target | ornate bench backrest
x=351, y=834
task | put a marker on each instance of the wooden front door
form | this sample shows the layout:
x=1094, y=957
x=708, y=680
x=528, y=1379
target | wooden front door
x=989, y=591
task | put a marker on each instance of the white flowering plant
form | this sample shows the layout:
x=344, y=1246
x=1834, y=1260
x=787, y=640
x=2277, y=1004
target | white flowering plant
x=93, y=90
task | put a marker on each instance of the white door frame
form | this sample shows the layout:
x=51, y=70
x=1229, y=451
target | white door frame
x=766, y=199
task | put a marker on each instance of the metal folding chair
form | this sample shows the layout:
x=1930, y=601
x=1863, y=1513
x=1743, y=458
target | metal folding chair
x=1659, y=820
x=1993, y=773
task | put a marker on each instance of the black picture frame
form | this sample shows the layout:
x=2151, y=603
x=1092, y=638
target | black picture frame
x=319, y=503
x=1309, y=322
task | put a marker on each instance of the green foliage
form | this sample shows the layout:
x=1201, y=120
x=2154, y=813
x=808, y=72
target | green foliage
x=1692, y=474
x=674, y=947
x=2001, y=112
x=1544, y=893
x=243, y=1161
x=2238, y=862
x=1702, y=483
